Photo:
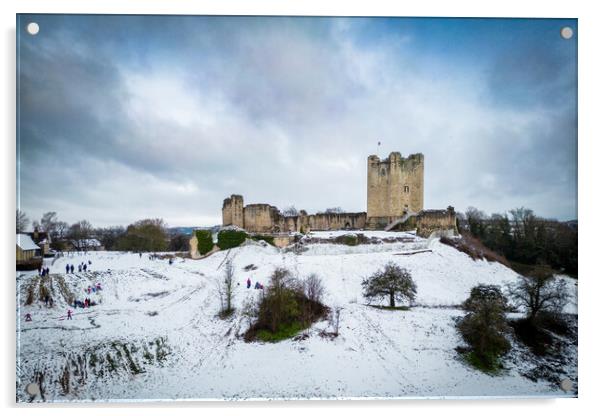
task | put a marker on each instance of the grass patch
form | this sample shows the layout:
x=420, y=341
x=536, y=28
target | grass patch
x=93, y=360
x=492, y=366
x=30, y=294
x=347, y=239
x=285, y=331
x=148, y=357
x=134, y=367
x=161, y=349
x=112, y=366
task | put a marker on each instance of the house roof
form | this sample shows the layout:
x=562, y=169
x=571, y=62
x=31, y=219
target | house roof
x=26, y=243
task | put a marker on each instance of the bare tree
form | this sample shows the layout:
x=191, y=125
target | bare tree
x=22, y=221
x=79, y=233
x=313, y=288
x=290, y=211
x=539, y=292
x=334, y=210
x=393, y=282
x=48, y=222
x=226, y=290
x=524, y=222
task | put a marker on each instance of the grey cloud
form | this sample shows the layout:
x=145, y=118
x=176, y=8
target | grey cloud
x=282, y=111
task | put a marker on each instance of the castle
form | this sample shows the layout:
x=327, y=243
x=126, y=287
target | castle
x=395, y=201
x=395, y=188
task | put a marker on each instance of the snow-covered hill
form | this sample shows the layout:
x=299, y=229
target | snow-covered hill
x=154, y=333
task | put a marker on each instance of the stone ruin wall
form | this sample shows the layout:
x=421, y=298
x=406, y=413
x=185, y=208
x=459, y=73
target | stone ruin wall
x=429, y=221
x=351, y=220
x=260, y=218
x=388, y=200
x=265, y=218
x=232, y=211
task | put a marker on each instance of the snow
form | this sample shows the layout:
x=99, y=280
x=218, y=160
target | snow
x=26, y=243
x=378, y=234
x=379, y=353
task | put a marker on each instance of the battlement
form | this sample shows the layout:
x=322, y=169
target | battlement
x=396, y=157
x=228, y=201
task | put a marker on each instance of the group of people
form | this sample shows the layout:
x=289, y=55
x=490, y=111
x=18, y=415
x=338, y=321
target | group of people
x=94, y=288
x=257, y=284
x=82, y=267
x=43, y=271
x=85, y=304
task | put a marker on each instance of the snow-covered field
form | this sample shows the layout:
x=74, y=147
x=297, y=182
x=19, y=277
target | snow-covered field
x=155, y=335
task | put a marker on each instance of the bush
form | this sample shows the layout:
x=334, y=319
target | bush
x=285, y=308
x=205, y=241
x=230, y=238
x=347, y=239
x=267, y=238
x=484, y=327
x=393, y=282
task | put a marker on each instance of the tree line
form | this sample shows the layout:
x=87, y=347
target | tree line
x=523, y=237
x=151, y=234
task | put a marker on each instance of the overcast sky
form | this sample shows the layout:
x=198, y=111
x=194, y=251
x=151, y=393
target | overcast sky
x=129, y=117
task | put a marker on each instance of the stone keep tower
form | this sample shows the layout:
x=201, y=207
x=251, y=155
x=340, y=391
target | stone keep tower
x=232, y=211
x=395, y=187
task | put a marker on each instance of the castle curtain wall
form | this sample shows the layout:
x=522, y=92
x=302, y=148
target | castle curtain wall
x=395, y=188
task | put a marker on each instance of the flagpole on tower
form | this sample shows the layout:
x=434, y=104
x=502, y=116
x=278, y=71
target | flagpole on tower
x=378, y=148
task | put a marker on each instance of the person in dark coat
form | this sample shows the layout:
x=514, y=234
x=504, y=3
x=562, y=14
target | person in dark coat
x=51, y=302
x=39, y=269
x=72, y=268
x=67, y=269
x=248, y=282
x=85, y=267
x=69, y=314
